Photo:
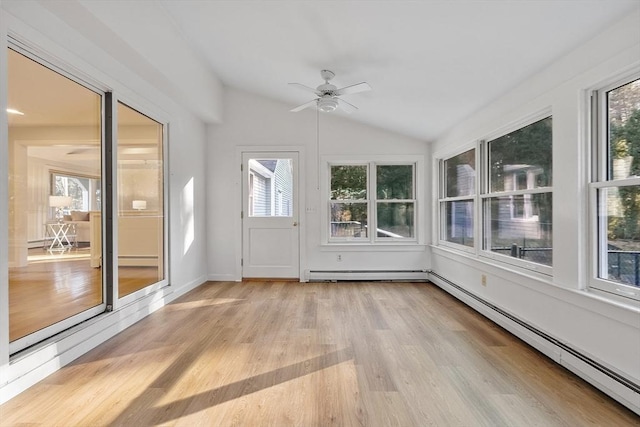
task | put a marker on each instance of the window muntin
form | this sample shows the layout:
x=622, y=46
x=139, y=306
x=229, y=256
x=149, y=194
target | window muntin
x=457, y=200
x=372, y=196
x=617, y=195
x=517, y=207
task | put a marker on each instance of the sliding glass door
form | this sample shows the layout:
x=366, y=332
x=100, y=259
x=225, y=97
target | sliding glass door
x=140, y=195
x=55, y=203
x=87, y=229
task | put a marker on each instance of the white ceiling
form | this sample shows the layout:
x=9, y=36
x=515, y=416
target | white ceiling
x=430, y=63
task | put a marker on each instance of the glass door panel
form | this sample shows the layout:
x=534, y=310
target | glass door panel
x=140, y=195
x=55, y=171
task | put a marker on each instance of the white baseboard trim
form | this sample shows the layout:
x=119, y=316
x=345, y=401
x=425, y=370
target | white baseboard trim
x=36, y=363
x=618, y=388
x=222, y=278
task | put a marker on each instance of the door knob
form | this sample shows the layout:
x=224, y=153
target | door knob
x=295, y=224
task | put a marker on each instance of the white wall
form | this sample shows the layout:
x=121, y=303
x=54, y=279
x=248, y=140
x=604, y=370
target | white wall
x=249, y=120
x=96, y=59
x=559, y=305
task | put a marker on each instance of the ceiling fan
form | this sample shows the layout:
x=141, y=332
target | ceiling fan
x=327, y=94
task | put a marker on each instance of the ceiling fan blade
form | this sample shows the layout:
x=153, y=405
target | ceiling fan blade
x=356, y=88
x=305, y=105
x=307, y=88
x=347, y=106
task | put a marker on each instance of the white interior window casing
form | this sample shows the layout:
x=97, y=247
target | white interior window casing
x=447, y=218
x=374, y=235
x=614, y=261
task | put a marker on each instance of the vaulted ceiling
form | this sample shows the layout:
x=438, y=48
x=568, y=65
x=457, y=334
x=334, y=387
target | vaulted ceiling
x=430, y=63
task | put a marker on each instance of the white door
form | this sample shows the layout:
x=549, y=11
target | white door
x=270, y=236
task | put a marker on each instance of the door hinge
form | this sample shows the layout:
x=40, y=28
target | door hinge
x=241, y=167
x=241, y=214
x=241, y=262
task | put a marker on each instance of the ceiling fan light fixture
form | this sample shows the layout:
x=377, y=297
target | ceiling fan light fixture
x=327, y=105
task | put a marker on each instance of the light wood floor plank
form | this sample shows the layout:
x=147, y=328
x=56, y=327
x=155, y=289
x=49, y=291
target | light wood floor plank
x=320, y=354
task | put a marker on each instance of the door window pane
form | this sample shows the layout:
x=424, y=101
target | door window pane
x=270, y=188
x=140, y=196
x=520, y=226
x=521, y=160
x=54, y=175
x=460, y=175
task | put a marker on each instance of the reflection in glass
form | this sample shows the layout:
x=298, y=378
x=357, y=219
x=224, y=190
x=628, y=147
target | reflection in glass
x=52, y=225
x=394, y=182
x=522, y=160
x=270, y=187
x=395, y=219
x=520, y=226
x=460, y=174
x=459, y=222
x=619, y=215
x=349, y=220
x=348, y=182
x=140, y=196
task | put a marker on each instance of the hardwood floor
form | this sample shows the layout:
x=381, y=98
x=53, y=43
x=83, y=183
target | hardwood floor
x=290, y=354
x=52, y=288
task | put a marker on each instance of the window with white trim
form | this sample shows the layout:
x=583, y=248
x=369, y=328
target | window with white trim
x=372, y=202
x=517, y=201
x=615, y=190
x=509, y=197
x=457, y=198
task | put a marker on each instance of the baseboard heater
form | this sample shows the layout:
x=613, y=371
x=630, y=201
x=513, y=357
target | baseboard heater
x=369, y=275
x=589, y=361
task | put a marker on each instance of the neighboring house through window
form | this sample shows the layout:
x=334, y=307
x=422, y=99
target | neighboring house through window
x=515, y=201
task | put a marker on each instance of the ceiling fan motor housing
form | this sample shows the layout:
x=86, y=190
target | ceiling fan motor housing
x=327, y=89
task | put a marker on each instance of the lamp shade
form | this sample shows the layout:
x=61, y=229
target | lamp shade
x=59, y=201
x=139, y=204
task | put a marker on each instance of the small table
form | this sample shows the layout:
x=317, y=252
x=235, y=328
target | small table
x=59, y=234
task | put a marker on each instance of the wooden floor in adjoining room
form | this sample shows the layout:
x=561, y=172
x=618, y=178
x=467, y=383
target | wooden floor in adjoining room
x=319, y=354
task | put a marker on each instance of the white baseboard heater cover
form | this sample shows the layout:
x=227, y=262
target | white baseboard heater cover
x=352, y=275
x=620, y=388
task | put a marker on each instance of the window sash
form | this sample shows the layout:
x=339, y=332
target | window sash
x=372, y=203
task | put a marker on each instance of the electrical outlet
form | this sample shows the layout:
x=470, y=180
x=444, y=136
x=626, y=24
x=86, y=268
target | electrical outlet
x=339, y=258
x=484, y=280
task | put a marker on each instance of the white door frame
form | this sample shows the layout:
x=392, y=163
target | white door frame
x=301, y=202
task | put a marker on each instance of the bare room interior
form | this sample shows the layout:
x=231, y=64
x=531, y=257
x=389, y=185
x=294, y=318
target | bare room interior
x=307, y=213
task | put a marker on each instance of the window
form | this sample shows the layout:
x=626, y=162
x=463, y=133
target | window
x=457, y=193
x=616, y=187
x=517, y=205
x=370, y=196
x=515, y=202
x=83, y=190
